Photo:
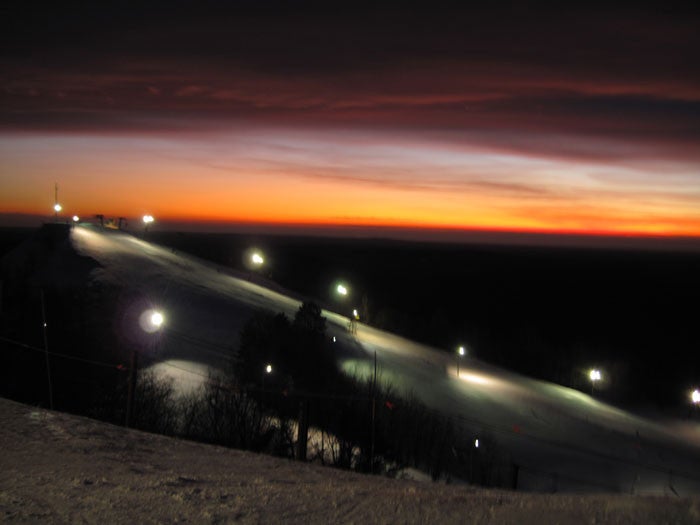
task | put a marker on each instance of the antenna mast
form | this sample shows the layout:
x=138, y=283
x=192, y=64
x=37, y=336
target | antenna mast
x=56, y=206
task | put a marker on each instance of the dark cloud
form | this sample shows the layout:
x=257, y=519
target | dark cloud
x=603, y=83
x=293, y=37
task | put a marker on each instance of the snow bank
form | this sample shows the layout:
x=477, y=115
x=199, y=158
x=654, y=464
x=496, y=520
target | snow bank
x=58, y=468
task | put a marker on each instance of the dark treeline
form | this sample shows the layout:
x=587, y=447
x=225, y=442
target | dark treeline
x=550, y=313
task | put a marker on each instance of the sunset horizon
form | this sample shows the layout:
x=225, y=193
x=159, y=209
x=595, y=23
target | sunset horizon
x=565, y=121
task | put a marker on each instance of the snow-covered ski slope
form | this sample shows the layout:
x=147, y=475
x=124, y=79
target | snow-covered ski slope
x=560, y=438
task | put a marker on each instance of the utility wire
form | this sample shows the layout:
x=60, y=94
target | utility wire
x=57, y=354
x=319, y=395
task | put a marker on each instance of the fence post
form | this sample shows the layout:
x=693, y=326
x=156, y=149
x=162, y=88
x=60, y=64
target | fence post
x=46, y=350
x=374, y=414
x=132, y=388
x=303, y=430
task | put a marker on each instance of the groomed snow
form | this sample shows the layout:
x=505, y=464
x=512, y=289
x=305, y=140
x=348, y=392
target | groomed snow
x=562, y=439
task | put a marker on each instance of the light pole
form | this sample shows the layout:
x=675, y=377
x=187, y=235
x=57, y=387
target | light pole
x=151, y=321
x=56, y=207
x=461, y=352
x=254, y=261
x=267, y=370
x=594, y=375
x=472, y=451
x=255, y=264
x=147, y=220
x=342, y=290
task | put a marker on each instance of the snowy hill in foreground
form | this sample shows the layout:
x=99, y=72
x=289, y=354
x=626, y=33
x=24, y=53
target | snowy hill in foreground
x=58, y=468
x=560, y=438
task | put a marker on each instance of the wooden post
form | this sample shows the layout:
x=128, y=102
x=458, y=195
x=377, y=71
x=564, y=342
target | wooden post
x=374, y=413
x=132, y=388
x=303, y=430
x=46, y=350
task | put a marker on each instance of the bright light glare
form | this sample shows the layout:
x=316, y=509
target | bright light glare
x=695, y=396
x=268, y=369
x=461, y=350
x=342, y=290
x=76, y=218
x=148, y=219
x=57, y=207
x=476, y=443
x=474, y=378
x=355, y=314
x=157, y=319
x=187, y=376
x=595, y=375
x=151, y=320
x=257, y=259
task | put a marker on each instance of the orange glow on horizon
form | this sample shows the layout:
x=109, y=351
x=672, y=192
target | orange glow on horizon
x=652, y=230
x=263, y=206
x=389, y=188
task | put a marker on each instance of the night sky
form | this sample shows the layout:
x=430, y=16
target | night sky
x=556, y=120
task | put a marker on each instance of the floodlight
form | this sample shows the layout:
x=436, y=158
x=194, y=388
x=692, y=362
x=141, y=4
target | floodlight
x=157, y=319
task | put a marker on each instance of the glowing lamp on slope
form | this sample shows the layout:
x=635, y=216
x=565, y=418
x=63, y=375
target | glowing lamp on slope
x=157, y=319
x=476, y=379
x=594, y=375
x=147, y=220
x=695, y=397
x=341, y=289
x=460, y=354
x=152, y=320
